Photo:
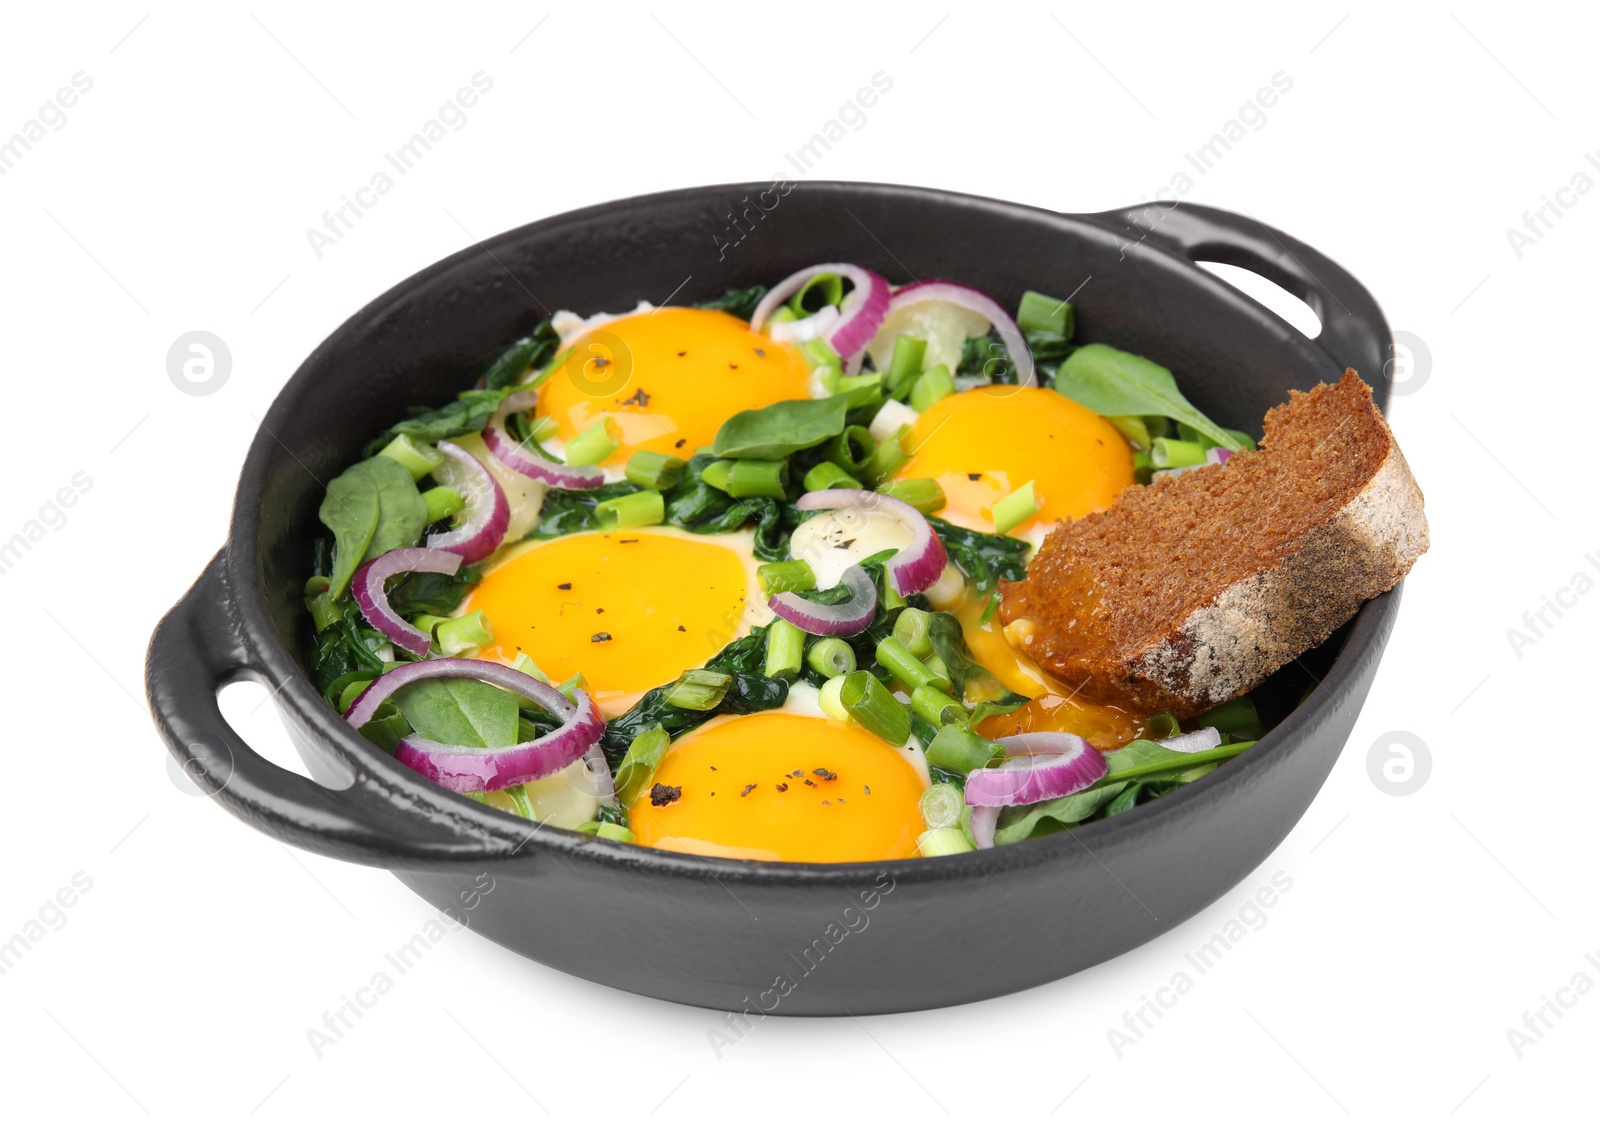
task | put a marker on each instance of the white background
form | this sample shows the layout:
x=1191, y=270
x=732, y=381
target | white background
x=177, y=197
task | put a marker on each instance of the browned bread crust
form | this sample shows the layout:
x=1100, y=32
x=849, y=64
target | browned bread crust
x=1192, y=590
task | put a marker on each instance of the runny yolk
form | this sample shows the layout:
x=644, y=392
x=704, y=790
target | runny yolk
x=629, y=610
x=1054, y=708
x=669, y=378
x=783, y=787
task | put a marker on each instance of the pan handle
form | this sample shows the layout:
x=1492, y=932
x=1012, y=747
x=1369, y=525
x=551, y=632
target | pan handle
x=198, y=648
x=1354, y=332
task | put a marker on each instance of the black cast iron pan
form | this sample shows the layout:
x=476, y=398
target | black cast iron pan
x=798, y=939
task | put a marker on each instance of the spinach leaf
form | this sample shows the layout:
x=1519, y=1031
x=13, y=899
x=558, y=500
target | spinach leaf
x=464, y=415
x=526, y=353
x=350, y=509
x=572, y=511
x=779, y=430
x=1114, y=383
x=984, y=557
x=740, y=303
x=751, y=692
x=1017, y=824
x=432, y=593
x=372, y=507
x=460, y=711
x=1124, y=801
x=402, y=514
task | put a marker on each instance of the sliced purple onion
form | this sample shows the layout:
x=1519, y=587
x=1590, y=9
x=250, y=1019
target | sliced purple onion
x=1197, y=742
x=860, y=314
x=1042, y=766
x=464, y=769
x=984, y=821
x=1218, y=455
x=848, y=618
x=367, y=586
x=955, y=294
x=487, y=514
x=517, y=457
x=913, y=569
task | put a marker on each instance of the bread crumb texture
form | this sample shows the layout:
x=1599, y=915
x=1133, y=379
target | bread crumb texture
x=1192, y=590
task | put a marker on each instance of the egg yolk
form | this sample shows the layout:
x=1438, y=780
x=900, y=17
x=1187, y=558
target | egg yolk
x=1054, y=707
x=669, y=378
x=982, y=444
x=783, y=788
x=629, y=610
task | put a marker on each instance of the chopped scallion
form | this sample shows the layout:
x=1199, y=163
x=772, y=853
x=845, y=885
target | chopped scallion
x=936, y=707
x=956, y=749
x=931, y=387
x=1237, y=718
x=595, y=444
x=442, y=502
x=828, y=698
x=418, y=458
x=716, y=474
x=911, y=628
x=786, y=645
x=651, y=470
x=941, y=806
x=821, y=290
x=831, y=657
x=900, y=662
x=1041, y=313
x=877, y=710
x=829, y=476
x=646, y=507
x=1166, y=453
x=923, y=493
x=758, y=478
x=1015, y=508
x=615, y=832
x=699, y=689
x=785, y=576
x=851, y=449
x=944, y=841
x=639, y=764
x=905, y=364
x=464, y=633
x=1134, y=430
x=888, y=457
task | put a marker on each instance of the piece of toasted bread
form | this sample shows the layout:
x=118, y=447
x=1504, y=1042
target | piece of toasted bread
x=1190, y=591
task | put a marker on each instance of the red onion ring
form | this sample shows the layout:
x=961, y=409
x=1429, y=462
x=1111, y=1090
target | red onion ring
x=861, y=312
x=915, y=568
x=367, y=585
x=518, y=458
x=463, y=769
x=854, y=615
x=1043, y=766
x=955, y=294
x=484, y=521
x=983, y=823
x=806, y=329
x=1218, y=455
